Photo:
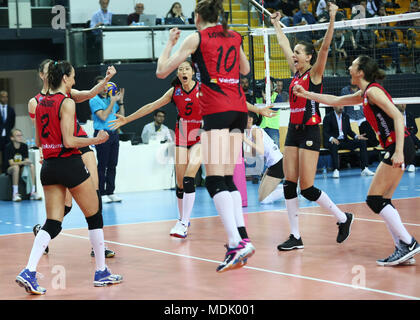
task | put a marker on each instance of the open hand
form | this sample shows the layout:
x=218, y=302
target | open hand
x=117, y=123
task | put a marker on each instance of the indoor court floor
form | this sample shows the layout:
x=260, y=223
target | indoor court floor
x=156, y=266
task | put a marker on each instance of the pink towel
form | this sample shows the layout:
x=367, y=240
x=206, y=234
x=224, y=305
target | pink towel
x=240, y=181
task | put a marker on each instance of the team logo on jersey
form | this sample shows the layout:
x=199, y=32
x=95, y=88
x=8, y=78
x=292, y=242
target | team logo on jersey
x=178, y=92
x=365, y=101
x=309, y=143
x=390, y=140
x=188, y=99
x=386, y=156
x=305, y=77
x=213, y=80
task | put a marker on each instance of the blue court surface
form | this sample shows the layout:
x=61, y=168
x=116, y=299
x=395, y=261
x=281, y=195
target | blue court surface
x=162, y=205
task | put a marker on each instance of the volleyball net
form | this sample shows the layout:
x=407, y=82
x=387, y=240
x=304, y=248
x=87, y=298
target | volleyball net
x=394, y=45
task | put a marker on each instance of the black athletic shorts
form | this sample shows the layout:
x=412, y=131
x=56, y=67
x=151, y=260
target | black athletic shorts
x=303, y=136
x=276, y=170
x=226, y=120
x=409, y=152
x=83, y=150
x=68, y=171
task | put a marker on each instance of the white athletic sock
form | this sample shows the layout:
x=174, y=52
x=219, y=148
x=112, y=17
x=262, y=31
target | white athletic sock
x=292, y=206
x=180, y=201
x=224, y=206
x=394, y=236
x=325, y=202
x=394, y=223
x=187, y=206
x=96, y=237
x=15, y=189
x=40, y=244
x=33, y=189
x=237, y=208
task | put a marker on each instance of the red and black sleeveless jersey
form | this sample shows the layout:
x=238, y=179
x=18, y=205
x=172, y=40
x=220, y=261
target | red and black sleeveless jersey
x=48, y=126
x=38, y=99
x=381, y=123
x=217, y=60
x=189, y=115
x=302, y=110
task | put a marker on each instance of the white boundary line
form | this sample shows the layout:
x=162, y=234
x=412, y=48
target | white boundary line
x=256, y=269
x=256, y=212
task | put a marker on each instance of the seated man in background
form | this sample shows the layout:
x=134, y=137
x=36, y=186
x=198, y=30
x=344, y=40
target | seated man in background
x=19, y=165
x=135, y=16
x=102, y=17
x=156, y=130
x=337, y=129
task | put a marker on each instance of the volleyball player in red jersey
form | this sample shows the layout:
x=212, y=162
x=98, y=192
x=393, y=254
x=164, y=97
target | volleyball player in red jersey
x=303, y=140
x=184, y=94
x=388, y=123
x=88, y=156
x=62, y=168
x=219, y=59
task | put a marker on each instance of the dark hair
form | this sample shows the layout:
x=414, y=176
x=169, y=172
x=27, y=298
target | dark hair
x=309, y=50
x=212, y=11
x=256, y=118
x=170, y=13
x=158, y=111
x=97, y=78
x=370, y=69
x=56, y=71
x=42, y=65
x=175, y=81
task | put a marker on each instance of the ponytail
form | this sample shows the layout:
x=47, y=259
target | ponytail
x=212, y=11
x=370, y=68
x=56, y=71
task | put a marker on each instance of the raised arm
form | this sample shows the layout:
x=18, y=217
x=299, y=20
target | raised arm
x=167, y=63
x=143, y=111
x=318, y=68
x=328, y=99
x=283, y=41
x=80, y=96
x=67, y=113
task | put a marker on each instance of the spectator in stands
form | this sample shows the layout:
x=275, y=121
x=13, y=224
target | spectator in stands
x=7, y=123
x=303, y=17
x=365, y=39
x=356, y=114
x=321, y=8
x=337, y=131
x=19, y=165
x=282, y=95
x=135, y=16
x=410, y=123
x=413, y=37
x=156, y=130
x=104, y=108
x=102, y=17
x=175, y=14
x=387, y=45
x=372, y=7
x=249, y=94
x=414, y=7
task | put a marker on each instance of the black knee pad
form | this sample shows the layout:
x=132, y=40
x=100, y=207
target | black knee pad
x=230, y=184
x=215, y=184
x=189, y=185
x=311, y=193
x=179, y=192
x=290, y=189
x=96, y=221
x=53, y=227
x=67, y=210
x=377, y=203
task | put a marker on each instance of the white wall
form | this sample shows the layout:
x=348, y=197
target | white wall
x=82, y=10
